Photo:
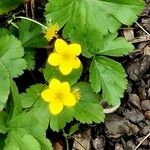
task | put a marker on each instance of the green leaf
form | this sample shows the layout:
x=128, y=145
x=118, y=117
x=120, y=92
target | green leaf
x=3, y=119
x=88, y=109
x=41, y=112
x=27, y=121
x=31, y=34
x=104, y=75
x=11, y=53
x=87, y=94
x=73, y=129
x=113, y=46
x=53, y=72
x=102, y=15
x=5, y=85
x=15, y=102
x=40, y=108
x=11, y=142
x=4, y=31
x=8, y=5
x=32, y=94
x=91, y=19
x=34, y=122
x=30, y=58
x=2, y=140
x=30, y=143
x=20, y=139
x=58, y=122
x=88, y=112
x=38, y=113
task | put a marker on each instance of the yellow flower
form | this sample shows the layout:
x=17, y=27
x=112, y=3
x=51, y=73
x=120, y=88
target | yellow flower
x=51, y=32
x=65, y=56
x=58, y=95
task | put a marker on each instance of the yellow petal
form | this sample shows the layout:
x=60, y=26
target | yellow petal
x=75, y=49
x=65, y=68
x=76, y=63
x=54, y=59
x=69, y=100
x=60, y=46
x=65, y=87
x=56, y=107
x=46, y=95
x=54, y=85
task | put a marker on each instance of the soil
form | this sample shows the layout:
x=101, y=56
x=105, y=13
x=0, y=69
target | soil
x=130, y=123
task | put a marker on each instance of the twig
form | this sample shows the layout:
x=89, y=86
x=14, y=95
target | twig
x=142, y=28
x=111, y=109
x=32, y=8
x=142, y=141
x=80, y=144
x=143, y=38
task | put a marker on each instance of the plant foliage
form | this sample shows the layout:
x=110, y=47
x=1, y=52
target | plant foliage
x=90, y=25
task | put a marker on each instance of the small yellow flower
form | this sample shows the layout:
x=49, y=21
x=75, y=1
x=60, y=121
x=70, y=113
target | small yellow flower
x=65, y=56
x=58, y=95
x=51, y=32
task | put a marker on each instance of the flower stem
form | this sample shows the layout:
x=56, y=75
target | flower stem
x=10, y=22
x=66, y=139
x=32, y=20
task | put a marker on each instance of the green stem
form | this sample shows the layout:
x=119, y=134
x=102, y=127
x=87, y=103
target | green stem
x=67, y=144
x=21, y=17
x=10, y=22
x=66, y=139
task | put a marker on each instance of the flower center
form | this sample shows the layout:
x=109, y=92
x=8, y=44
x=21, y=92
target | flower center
x=59, y=95
x=77, y=94
x=66, y=56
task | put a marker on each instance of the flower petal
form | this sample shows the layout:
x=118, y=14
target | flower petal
x=76, y=63
x=65, y=68
x=56, y=107
x=46, y=95
x=69, y=100
x=54, y=85
x=65, y=87
x=75, y=49
x=60, y=46
x=54, y=59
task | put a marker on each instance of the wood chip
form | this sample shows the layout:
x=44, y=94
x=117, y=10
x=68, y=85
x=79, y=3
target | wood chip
x=128, y=34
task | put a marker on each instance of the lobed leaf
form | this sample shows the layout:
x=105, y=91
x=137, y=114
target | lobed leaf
x=32, y=94
x=20, y=139
x=59, y=121
x=111, y=45
x=31, y=34
x=5, y=85
x=11, y=53
x=30, y=58
x=109, y=76
x=91, y=19
x=88, y=108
